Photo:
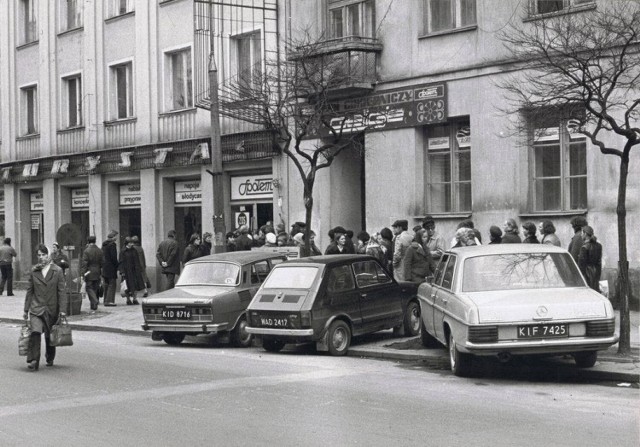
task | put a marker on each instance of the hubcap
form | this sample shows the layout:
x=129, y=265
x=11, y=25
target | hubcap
x=339, y=339
x=244, y=335
x=415, y=320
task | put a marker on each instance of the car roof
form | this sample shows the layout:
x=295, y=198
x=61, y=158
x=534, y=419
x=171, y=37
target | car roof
x=239, y=257
x=329, y=260
x=501, y=249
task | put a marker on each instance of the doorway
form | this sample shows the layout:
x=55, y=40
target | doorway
x=130, y=223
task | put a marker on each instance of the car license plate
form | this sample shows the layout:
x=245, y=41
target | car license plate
x=273, y=322
x=176, y=314
x=543, y=331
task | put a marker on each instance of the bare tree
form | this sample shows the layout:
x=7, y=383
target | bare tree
x=584, y=67
x=292, y=98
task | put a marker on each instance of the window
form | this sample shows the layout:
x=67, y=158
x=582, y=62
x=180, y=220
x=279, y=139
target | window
x=179, y=84
x=448, y=168
x=351, y=18
x=549, y=6
x=121, y=91
x=119, y=7
x=249, y=60
x=559, y=168
x=29, y=110
x=73, y=102
x=259, y=272
x=447, y=277
x=70, y=14
x=369, y=273
x=446, y=15
x=340, y=279
x=28, y=21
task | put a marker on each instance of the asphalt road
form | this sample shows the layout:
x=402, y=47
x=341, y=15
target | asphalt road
x=120, y=390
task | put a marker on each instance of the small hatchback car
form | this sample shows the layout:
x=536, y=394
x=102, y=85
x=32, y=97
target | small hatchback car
x=513, y=299
x=210, y=297
x=329, y=299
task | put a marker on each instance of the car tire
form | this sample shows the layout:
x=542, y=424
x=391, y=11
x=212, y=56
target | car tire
x=460, y=361
x=427, y=340
x=271, y=345
x=412, y=320
x=338, y=338
x=586, y=359
x=173, y=338
x=239, y=335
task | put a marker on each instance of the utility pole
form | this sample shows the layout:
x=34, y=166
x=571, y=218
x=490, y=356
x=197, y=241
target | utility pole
x=218, y=244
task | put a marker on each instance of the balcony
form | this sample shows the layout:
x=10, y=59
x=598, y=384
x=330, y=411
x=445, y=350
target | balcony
x=177, y=125
x=120, y=133
x=71, y=141
x=28, y=147
x=347, y=64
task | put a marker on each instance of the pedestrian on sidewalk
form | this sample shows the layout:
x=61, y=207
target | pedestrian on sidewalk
x=131, y=271
x=206, y=245
x=110, y=268
x=143, y=264
x=529, y=233
x=59, y=259
x=418, y=263
x=435, y=243
x=90, y=269
x=401, y=242
x=193, y=250
x=167, y=256
x=7, y=253
x=43, y=304
x=590, y=258
x=577, y=223
x=510, y=235
x=495, y=235
x=548, y=232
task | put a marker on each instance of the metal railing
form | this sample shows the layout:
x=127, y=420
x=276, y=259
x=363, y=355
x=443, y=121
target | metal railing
x=70, y=141
x=177, y=125
x=28, y=147
x=120, y=133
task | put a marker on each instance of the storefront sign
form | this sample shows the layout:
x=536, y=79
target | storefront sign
x=130, y=195
x=37, y=201
x=188, y=192
x=80, y=198
x=35, y=221
x=438, y=143
x=388, y=109
x=252, y=187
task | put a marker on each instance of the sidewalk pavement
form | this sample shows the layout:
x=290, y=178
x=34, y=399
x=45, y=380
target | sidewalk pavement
x=128, y=320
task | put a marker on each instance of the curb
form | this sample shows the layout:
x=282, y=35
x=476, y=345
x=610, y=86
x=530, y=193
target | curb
x=89, y=328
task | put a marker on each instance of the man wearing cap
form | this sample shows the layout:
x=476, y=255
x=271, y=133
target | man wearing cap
x=167, y=256
x=435, y=243
x=110, y=268
x=402, y=241
x=576, y=242
x=90, y=268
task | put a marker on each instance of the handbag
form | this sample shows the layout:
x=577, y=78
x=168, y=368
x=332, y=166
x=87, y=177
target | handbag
x=61, y=333
x=100, y=291
x=124, y=292
x=24, y=342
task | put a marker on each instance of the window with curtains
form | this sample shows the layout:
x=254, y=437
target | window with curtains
x=28, y=21
x=448, y=15
x=550, y=6
x=29, y=110
x=248, y=61
x=448, y=170
x=72, y=102
x=70, y=14
x=351, y=18
x=121, y=91
x=178, y=80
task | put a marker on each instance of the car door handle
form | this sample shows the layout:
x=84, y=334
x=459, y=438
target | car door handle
x=445, y=301
x=433, y=296
x=363, y=296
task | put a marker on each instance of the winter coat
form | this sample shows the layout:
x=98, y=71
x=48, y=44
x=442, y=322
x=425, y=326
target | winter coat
x=531, y=240
x=551, y=239
x=143, y=262
x=333, y=249
x=243, y=242
x=417, y=263
x=45, y=296
x=205, y=248
x=401, y=243
x=575, y=245
x=374, y=249
x=387, y=248
x=349, y=247
x=168, y=252
x=590, y=263
x=131, y=269
x=91, y=262
x=110, y=261
x=192, y=251
x=61, y=260
x=511, y=238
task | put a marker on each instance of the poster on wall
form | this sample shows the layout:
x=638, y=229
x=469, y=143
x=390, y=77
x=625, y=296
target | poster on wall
x=252, y=187
x=130, y=195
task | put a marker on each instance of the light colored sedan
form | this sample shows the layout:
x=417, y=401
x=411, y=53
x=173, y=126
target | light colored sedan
x=513, y=299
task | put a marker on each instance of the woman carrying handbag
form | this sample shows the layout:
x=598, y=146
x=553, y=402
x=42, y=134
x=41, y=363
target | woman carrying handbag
x=45, y=301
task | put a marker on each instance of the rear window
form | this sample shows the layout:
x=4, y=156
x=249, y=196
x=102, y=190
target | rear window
x=210, y=273
x=520, y=271
x=291, y=278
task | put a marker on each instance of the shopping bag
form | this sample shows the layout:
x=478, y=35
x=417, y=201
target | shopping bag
x=24, y=342
x=61, y=333
x=124, y=292
x=100, y=292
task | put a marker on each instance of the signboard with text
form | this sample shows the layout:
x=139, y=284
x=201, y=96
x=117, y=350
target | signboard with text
x=188, y=191
x=80, y=198
x=37, y=201
x=130, y=195
x=252, y=187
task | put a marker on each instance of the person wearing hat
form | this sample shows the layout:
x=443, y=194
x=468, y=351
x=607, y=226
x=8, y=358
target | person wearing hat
x=131, y=271
x=110, y=268
x=576, y=242
x=243, y=242
x=167, y=256
x=495, y=235
x=590, y=258
x=402, y=241
x=90, y=267
x=270, y=240
x=143, y=264
x=434, y=242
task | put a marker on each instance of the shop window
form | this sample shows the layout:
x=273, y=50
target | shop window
x=178, y=80
x=448, y=186
x=28, y=21
x=70, y=14
x=119, y=7
x=559, y=172
x=351, y=18
x=72, y=101
x=121, y=85
x=248, y=61
x=448, y=15
x=550, y=6
x=29, y=110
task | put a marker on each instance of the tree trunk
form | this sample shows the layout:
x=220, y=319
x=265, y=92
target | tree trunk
x=624, y=345
x=308, y=207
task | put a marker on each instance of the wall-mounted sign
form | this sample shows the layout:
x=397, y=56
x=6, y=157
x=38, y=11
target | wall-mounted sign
x=80, y=198
x=188, y=192
x=37, y=201
x=130, y=195
x=252, y=187
x=36, y=221
x=463, y=135
x=438, y=143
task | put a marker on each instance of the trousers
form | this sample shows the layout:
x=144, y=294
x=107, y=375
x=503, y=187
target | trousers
x=7, y=278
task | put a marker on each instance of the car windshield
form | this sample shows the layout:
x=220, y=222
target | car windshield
x=520, y=271
x=291, y=278
x=210, y=274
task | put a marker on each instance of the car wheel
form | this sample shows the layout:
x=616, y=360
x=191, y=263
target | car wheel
x=173, y=339
x=427, y=340
x=339, y=338
x=412, y=320
x=460, y=361
x=239, y=336
x=271, y=345
x=586, y=359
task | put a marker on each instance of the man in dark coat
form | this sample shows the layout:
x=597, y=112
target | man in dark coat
x=243, y=242
x=143, y=264
x=110, y=268
x=576, y=242
x=167, y=256
x=90, y=268
x=131, y=271
x=193, y=250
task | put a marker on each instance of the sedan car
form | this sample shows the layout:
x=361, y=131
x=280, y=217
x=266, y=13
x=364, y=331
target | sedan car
x=513, y=299
x=210, y=297
x=327, y=300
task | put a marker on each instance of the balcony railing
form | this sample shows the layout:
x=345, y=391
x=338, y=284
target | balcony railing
x=71, y=141
x=120, y=133
x=177, y=125
x=28, y=147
